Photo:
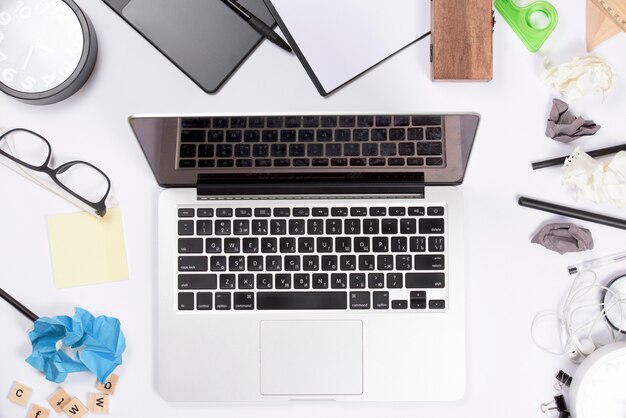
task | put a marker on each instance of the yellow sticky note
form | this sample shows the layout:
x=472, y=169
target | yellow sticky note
x=87, y=250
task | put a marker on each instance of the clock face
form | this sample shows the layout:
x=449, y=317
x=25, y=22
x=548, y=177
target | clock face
x=41, y=42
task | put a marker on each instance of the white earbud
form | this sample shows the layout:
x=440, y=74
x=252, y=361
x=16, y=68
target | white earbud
x=585, y=345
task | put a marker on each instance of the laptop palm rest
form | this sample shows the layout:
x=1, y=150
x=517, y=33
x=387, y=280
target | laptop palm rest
x=311, y=357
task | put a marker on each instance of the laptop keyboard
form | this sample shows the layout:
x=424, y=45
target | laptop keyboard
x=380, y=257
x=333, y=141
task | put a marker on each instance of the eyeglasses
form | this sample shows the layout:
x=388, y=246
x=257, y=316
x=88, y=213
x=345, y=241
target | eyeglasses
x=78, y=179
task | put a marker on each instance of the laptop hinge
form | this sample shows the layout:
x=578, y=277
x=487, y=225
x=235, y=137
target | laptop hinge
x=310, y=184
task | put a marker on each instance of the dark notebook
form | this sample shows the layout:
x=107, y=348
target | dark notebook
x=204, y=38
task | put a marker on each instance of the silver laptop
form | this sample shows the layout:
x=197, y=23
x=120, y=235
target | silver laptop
x=310, y=257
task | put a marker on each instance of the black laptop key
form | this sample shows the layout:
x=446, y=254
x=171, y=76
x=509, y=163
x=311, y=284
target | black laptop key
x=361, y=244
x=187, y=151
x=315, y=226
x=359, y=300
x=256, y=122
x=390, y=226
x=436, y=304
x=242, y=150
x=274, y=121
x=306, y=245
x=395, y=161
x=320, y=162
x=282, y=162
x=416, y=211
x=279, y=150
x=357, y=280
x=347, y=121
x=383, y=120
x=418, y=300
x=192, y=136
x=369, y=149
x=252, y=136
x=218, y=263
x=220, y=122
x=378, y=211
x=250, y=245
x=259, y=226
x=293, y=121
x=301, y=212
x=310, y=121
x=227, y=281
x=287, y=245
x=361, y=135
x=429, y=148
x=301, y=281
x=278, y=227
x=397, y=134
x=334, y=226
x=222, y=301
x=379, y=135
x=417, y=244
x=408, y=226
x=255, y=263
x=269, y=135
x=306, y=135
x=399, y=304
x=375, y=280
x=426, y=120
x=339, y=162
x=328, y=121
x=196, y=123
x=380, y=300
x=197, y=281
x=324, y=245
x=333, y=150
x=236, y=263
x=225, y=163
x=402, y=120
x=288, y=135
x=351, y=150
x=282, y=300
x=186, y=301
x=431, y=226
x=269, y=245
x=310, y=262
x=238, y=122
x=193, y=263
x=433, y=133
x=366, y=262
x=376, y=162
x=384, y=262
x=292, y=263
x=264, y=281
x=260, y=150
x=273, y=263
x=380, y=244
x=435, y=211
x=320, y=281
x=213, y=245
x=224, y=212
x=263, y=162
x=358, y=162
x=430, y=262
x=358, y=211
x=387, y=150
x=347, y=262
x=224, y=150
x=204, y=301
x=324, y=135
x=371, y=226
x=296, y=226
x=406, y=149
x=343, y=244
x=222, y=227
x=215, y=136
x=425, y=280
x=399, y=244
x=436, y=244
x=185, y=227
x=315, y=150
x=394, y=280
x=329, y=262
x=206, y=151
x=338, y=280
x=190, y=245
x=244, y=163
x=415, y=134
x=233, y=136
x=365, y=121
x=282, y=281
x=297, y=150
x=301, y=162
x=245, y=281
x=415, y=161
x=243, y=300
x=404, y=262
x=343, y=135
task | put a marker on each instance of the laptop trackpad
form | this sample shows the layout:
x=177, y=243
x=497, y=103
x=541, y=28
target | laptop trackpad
x=311, y=357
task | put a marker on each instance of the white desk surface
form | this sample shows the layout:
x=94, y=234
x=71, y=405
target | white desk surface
x=508, y=279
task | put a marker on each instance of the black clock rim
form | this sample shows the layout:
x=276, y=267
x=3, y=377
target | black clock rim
x=83, y=68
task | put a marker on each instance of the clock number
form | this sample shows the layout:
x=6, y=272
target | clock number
x=1, y=36
x=5, y=18
x=24, y=11
x=48, y=80
x=9, y=74
x=28, y=83
x=3, y=56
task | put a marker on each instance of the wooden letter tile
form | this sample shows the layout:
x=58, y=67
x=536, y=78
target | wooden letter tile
x=59, y=399
x=99, y=403
x=75, y=408
x=37, y=411
x=109, y=386
x=20, y=394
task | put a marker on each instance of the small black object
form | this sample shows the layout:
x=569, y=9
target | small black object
x=563, y=378
x=564, y=414
x=593, y=153
x=17, y=305
x=572, y=212
x=558, y=403
x=257, y=24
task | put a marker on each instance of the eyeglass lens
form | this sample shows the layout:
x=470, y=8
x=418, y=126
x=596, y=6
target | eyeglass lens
x=26, y=147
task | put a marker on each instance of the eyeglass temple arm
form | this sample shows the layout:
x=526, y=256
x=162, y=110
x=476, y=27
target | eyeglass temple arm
x=17, y=305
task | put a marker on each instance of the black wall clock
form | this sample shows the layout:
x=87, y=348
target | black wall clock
x=48, y=49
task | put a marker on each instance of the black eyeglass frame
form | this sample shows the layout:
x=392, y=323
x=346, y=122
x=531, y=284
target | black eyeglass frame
x=99, y=207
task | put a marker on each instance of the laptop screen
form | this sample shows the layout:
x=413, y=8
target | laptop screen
x=432, y=148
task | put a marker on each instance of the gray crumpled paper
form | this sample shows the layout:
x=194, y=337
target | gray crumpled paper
x=563, y=126
x=564, y=238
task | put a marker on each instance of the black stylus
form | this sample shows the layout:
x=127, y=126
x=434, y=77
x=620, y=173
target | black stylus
x=257, y=24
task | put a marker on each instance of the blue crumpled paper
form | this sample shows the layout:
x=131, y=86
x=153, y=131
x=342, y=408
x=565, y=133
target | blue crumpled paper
x=98, y=342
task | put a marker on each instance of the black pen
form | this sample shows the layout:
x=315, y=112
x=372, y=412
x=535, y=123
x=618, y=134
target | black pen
x=257, y=24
